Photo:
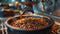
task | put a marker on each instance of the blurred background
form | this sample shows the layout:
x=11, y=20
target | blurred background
x=46, y=7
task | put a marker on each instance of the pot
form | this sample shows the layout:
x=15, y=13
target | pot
x=15, y=30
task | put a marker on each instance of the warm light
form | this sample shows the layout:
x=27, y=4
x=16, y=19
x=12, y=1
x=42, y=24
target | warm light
x=43, y=9
x=10, y=4
x=16, y=2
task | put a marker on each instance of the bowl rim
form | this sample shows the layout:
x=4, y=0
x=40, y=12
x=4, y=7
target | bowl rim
x=6, y=23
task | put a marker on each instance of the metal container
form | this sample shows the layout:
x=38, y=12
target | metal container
x=14, y=30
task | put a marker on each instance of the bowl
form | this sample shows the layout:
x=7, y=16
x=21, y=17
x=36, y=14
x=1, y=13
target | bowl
x=15, y=30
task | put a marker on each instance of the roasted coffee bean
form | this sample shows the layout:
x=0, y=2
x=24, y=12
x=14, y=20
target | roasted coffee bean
x=31, y=23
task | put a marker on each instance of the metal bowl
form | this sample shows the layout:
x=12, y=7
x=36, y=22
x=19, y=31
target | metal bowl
x=15, y=30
